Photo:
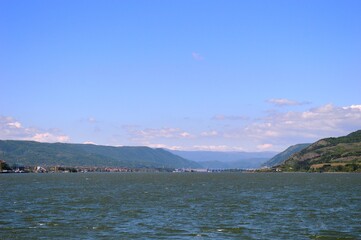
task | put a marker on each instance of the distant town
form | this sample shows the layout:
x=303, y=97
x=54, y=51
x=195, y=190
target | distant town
x=5, y=168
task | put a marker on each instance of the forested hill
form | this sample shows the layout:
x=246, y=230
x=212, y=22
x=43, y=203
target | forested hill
x=30, y=153
x=283, y=156
x=329, y=154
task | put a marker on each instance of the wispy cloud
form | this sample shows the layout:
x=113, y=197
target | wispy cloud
x=327, y=120
x=355, y=107
x=165, y=146
x=91, y=120
x=221, y=117
x=220, y=148
x=144, y=135
x=265, y=146
x=11, y=129
x=281, y=102
x=16, y=125
x=216, y=148
x=278, y=130
x=272, y=132
x=196, y=56
x=211, y=133
x=49, y=137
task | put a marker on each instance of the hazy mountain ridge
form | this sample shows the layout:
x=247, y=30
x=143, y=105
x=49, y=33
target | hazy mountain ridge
x=252, y=163
x=283, y=156
x=328, y=154
x=32, y=153
x=226, y=160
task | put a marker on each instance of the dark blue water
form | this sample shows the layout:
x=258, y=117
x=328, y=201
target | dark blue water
x=180, y=206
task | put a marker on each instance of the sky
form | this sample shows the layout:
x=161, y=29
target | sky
x=188, y=75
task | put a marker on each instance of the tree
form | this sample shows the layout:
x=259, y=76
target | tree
x=4, y=166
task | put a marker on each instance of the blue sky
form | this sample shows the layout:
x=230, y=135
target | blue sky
x=191, y=75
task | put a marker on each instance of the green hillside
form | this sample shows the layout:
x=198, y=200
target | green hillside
x=283, y=156
x=31, y=153
x=329, y=154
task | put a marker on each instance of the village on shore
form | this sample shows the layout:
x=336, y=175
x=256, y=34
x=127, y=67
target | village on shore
x=5, y=168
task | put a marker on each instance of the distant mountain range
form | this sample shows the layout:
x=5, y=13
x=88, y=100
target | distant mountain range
x=283, y=156
x=329, y=154
x=29, y=153
x=226, y=160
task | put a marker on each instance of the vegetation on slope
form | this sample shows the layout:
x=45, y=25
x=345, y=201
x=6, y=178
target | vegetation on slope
x=329, y=154
x=283, y=156
x=31, y=153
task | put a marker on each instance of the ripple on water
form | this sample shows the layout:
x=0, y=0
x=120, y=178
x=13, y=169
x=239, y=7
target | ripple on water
x=181, y=206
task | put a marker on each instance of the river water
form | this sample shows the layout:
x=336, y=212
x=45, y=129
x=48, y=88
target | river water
x=180, y=206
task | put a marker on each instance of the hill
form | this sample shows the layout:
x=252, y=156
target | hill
x=251, y=163
x=283, y=156
x=31, y=153
x=226, y=160
x=329, y=154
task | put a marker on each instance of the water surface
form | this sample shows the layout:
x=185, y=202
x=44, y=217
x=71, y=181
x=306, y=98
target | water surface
x=180, y=206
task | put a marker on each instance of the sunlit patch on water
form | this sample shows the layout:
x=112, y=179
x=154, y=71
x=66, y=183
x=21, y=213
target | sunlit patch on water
x=333, y=235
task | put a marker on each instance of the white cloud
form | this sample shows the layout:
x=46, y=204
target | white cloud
x=212, y=133
x=275, y=131
x=185, y=134
x=324, y=121
x=280, y=102
x=160, y=145
x=265, y=146
x=11, y=129
x=221, y=148
x=218, y=148
x=14, y=124
x=89, y=142
x=196, y=56
x=154, y=133
x=49, y=137
x=353, y=107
